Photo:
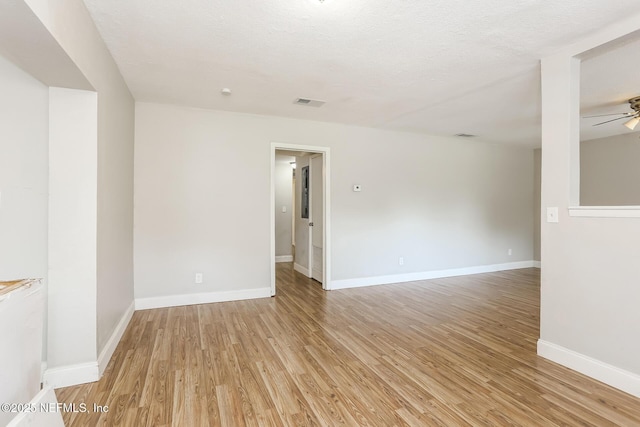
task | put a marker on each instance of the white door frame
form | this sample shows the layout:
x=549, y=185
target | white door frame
x=310, y=252
x=326, y=185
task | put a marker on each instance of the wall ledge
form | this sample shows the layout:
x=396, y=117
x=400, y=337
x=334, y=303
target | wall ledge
x=608, y=374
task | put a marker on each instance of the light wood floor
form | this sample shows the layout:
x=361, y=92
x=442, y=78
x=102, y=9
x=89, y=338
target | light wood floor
x=448, y=352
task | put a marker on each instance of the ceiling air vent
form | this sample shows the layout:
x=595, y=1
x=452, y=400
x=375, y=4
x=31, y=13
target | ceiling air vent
x=308, y=102
x=465, y=135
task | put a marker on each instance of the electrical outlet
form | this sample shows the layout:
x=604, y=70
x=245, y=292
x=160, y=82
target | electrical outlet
x=199, y=278
x=401, y=261
x=509, y=252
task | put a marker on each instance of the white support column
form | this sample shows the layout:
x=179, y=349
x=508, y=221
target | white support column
x=71, y=351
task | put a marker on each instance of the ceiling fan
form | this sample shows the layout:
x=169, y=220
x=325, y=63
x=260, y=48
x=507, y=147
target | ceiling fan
x=634, y=115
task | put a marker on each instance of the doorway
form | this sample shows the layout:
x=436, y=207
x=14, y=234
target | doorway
x=315, y=224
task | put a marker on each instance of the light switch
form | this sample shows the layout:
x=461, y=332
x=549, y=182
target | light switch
x=284, y=209
x=552, y=214
x=357, y=187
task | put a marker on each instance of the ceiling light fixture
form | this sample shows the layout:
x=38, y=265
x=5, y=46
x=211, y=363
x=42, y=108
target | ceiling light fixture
x=634, y=115
x=635, y=106
x=631, y=124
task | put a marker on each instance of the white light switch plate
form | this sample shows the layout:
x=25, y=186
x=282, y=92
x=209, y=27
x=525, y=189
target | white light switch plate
x=552, y=214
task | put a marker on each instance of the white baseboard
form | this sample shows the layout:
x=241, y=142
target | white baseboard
x=608, y=374
x=110, y=347
x=302, y=270
x=201, y=298
x=66, y=376
x=284, y=258
x=426, y=275
x=537, y=264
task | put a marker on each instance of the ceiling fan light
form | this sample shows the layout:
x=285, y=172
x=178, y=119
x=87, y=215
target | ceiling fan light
x=631, y=124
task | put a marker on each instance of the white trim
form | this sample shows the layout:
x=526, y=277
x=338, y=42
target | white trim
x=302, y=270
x=272, y=222
x=537, y=264
x=608, y=374
x=605, y=211
x=326, y=156
x=87, y=372
x=200, y=298
x=311, y=217
x=327, y=284
x=284, y=258
x=110, y=346
x=43, y=369
x=426, y=275
x=69, y=375
x=298, y=147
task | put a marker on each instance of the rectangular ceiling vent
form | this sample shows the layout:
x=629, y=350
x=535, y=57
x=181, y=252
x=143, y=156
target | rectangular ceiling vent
x=465, y=135
x=308, y=102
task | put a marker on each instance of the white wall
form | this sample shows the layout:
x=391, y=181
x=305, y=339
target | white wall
x=589, y=287
x=610, y=171
x=537, y=194
x=72, y=227
x=23, y=174
x=71, y=26
x=441, y=203
x=283, y=176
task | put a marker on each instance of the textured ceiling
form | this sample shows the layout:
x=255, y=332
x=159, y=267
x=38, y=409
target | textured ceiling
x=439, y=67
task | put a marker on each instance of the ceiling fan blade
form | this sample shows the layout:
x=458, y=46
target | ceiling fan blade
x=612, y=120
x=603, y=115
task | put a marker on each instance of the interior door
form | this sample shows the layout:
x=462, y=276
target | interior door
x=316, y=222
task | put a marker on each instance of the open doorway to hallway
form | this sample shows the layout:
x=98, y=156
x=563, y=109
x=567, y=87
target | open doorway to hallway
x=300, y=211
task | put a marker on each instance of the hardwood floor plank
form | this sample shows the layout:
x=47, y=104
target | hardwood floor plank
x=447, y=352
